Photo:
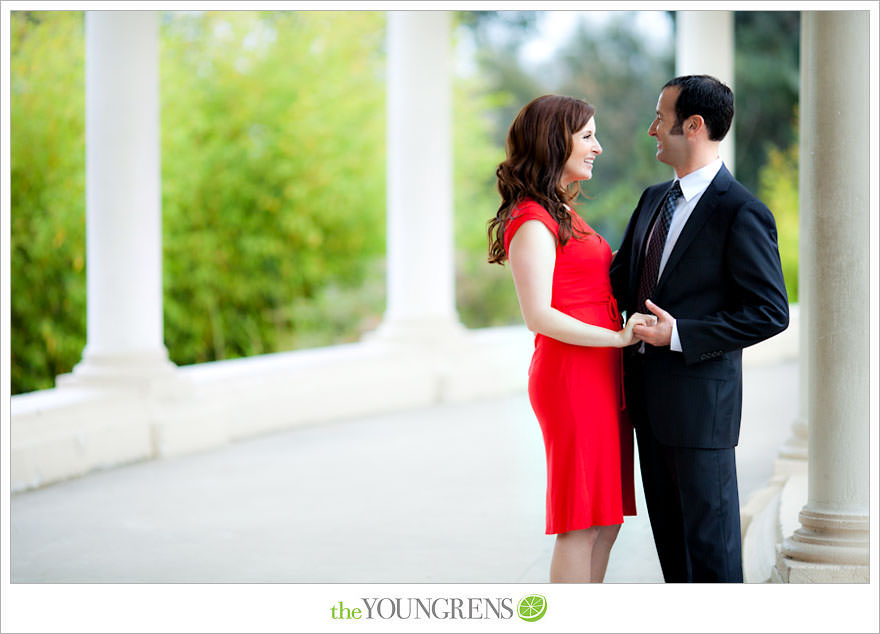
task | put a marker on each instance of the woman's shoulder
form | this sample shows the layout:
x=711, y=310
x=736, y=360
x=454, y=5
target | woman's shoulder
x=532, y=209
x=523, y=212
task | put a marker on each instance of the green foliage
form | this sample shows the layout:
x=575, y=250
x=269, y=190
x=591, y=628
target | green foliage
x=485, y=295
x=767, y=85
x=273, y=184
x=779, y=191
x=47, y=145
x=615, y=70
x=611, y=68
x=273, y=178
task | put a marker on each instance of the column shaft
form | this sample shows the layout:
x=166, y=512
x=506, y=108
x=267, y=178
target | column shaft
x=123, y=205
x=834, y=208
x=704, y=46
x=420, y=263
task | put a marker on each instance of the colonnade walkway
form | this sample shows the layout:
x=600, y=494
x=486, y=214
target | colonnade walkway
x=446, y=494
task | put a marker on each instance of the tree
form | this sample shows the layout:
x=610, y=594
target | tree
x=273, y=184
x=47, y=143
x=273, y=177
x=767, y=89
x=778, y=189
x=767, y=85
x=612, y=68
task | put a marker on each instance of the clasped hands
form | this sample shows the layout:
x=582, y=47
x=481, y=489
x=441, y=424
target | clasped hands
x=655, y=329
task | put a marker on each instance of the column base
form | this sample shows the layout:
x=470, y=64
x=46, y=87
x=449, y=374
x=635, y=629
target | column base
x=155, y=392
x=795, y=448
x=830, y=539
x=147, y=371
x=430, y=332
x=431, y=347
x=443, y=358
x=789, y=570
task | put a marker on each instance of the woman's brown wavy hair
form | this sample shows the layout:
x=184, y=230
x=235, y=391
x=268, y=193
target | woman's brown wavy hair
x=539, y=143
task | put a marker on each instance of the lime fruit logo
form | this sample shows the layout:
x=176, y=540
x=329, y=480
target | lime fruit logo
x=532, y=607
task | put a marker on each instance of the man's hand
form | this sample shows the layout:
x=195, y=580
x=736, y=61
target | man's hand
x=660, y=334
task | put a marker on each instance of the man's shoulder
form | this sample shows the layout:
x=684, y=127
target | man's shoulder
x=744, y=207
x=740, y=195
x=739, y=190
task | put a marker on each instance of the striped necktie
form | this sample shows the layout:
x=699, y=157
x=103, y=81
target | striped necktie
x=651, y=267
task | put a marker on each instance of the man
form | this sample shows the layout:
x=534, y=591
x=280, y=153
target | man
x=700, y=253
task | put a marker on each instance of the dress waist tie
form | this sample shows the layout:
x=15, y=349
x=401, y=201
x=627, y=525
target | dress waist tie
x=614, y=313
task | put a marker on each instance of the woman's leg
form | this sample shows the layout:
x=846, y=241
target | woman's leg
x=571, y=556
x=601, y=550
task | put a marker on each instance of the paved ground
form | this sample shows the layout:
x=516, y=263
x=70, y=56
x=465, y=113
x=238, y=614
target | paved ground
x=453, y=493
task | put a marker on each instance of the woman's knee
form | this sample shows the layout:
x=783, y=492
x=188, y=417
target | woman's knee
x=608, y=533
x=583, y=536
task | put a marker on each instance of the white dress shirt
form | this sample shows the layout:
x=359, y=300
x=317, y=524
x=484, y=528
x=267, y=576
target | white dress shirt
x=692, y=187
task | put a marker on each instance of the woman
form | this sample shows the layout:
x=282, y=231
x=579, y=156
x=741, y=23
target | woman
x=560, y=270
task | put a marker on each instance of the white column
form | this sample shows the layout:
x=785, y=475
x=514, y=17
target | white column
x=420, y=254
x=704, y=46
x=123, y=206
x=832, y=542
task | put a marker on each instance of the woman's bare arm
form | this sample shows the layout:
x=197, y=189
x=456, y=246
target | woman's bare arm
x=532, y=256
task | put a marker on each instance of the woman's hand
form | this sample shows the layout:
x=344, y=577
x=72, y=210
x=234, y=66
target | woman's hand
x=626, y=336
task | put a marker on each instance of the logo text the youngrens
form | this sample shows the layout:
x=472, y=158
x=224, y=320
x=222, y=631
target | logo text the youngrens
x=426, y=608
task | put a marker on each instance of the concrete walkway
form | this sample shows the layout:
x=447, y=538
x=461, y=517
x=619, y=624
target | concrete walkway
x=452, y=493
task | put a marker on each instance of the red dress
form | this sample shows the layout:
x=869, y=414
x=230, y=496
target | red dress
x=576, y=392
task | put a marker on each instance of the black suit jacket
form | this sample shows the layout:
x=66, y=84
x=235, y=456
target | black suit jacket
x=723, y=284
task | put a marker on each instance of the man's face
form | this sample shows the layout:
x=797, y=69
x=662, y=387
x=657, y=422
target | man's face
x=671, y=143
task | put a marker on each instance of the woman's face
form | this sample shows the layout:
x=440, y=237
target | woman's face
x=584, y=149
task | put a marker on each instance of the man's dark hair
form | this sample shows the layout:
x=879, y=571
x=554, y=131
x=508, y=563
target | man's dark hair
x=706, y=96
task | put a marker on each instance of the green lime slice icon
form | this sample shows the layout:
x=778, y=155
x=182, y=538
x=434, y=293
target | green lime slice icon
x=532, y=607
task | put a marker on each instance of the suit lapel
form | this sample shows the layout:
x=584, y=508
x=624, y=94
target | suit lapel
x=699, y=216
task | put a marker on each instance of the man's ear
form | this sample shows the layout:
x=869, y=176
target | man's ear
x=693, y=125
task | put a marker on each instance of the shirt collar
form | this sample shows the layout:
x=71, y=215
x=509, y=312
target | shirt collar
x=697, y=181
